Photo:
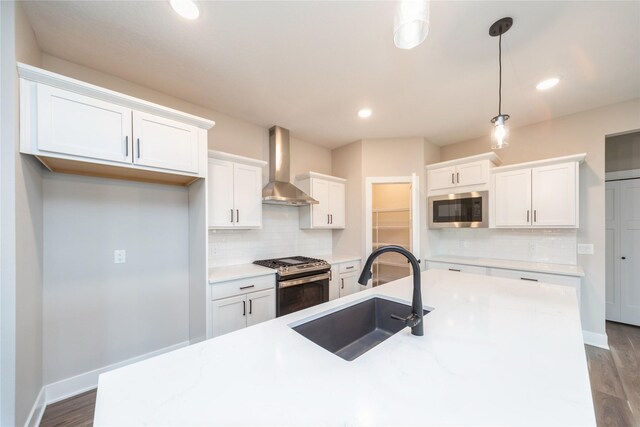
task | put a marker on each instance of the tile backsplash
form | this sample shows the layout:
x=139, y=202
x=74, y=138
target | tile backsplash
x=534, y=245
x=279, y=236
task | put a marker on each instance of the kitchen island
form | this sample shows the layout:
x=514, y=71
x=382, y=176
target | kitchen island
x=494, y=352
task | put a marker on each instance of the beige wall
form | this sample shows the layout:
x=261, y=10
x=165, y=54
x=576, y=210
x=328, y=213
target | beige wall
x=578, y=133
x=346, y=162
x=622, y=152
x=29, y=251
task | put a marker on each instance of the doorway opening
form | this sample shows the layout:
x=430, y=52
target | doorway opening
x=392, y=218
x=622, y=219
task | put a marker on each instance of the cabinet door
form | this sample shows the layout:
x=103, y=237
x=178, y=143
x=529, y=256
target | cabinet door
x=228, y=315
x=334, y=282
x=336, y=205
x=442, y=178
x=262, y=306
x=247, y=196
x=473, y=173
x=553, y=197
x=320, y=212
x=220, y=194
x=349, y=284
x=612, y=250
x=81, y=126
x=512, y=197
x=163, y=143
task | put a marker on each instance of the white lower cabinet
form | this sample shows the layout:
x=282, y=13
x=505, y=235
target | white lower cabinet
x=343, y=279
x=237, y=304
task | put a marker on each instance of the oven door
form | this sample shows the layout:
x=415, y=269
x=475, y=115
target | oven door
x=459, y=210
x=301, y=292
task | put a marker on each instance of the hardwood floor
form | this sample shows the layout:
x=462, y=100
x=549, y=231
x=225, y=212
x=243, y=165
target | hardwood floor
x=615, y=377
x=615, y=384
x=75, y=411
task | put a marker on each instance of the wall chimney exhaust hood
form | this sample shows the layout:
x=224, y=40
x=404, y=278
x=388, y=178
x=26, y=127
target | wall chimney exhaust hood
x=279, y=191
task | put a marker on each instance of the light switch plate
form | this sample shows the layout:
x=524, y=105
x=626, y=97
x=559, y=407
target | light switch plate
x=119, y=256
x=585, y=248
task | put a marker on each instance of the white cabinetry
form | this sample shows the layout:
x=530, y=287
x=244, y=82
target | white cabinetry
x=75, y=127
x=461, y=175
x=235, y=191
x=544, y=196
x=433, y=265
x=237, y=304
x=329, y=191
x=529, y=276
x=344, y=279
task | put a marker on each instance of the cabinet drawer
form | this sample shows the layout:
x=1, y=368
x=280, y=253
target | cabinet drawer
x=473, y=269
x=554, y=279
x=242, y=286
x=349, y=267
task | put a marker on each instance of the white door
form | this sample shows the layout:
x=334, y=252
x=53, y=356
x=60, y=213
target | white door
x=512, y=197
x=630, y=251
x=77, y=125
x=336, y=205
x=473, y=173
x=228, y=315
x=349, y=284
x=164, y=143
x=247, y=195
x=262, y=306
x=553, y=196
x=612, y=249
x=220, y=193
x=320, y=211
x=442, y=178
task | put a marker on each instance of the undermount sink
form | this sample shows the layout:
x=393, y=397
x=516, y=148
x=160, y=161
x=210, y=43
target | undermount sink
x=354, y=330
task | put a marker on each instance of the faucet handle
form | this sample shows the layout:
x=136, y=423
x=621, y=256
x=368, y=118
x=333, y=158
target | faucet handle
x=411, y=320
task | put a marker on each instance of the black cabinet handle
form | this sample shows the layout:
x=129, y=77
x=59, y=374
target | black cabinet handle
x=342, y=280
x=138, y=147
x=237, y=215
x=528, y=279
x=331, y=218
x=244, y=308
x=535, y=215
x=454, y=269
x=231, y=214
x=453, y=179
x=350, y=267
x=624, y=257
x=246, y=287
x=527, y=215
x=126, y=146
x=250, y=306
x=458, y=177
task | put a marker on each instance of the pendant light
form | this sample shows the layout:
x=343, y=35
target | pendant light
x=500, y=132
x=411, y=23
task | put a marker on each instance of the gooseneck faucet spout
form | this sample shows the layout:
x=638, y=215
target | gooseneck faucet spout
x=414, y=320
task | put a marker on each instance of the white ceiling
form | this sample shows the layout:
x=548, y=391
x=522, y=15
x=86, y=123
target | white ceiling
x=310, y=65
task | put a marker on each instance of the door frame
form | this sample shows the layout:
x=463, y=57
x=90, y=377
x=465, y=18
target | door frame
x=414, y=181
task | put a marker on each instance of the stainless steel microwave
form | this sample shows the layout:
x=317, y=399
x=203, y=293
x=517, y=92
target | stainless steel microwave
x=459, y=210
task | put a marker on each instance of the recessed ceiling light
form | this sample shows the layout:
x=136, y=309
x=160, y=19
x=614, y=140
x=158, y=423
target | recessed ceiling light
x=364, y=113
x=186, y=8
x=547, y=84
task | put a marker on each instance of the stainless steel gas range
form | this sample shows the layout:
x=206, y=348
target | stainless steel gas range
x=301, y=282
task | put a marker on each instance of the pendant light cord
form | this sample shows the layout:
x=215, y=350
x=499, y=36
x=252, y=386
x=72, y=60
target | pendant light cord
x=500, y=81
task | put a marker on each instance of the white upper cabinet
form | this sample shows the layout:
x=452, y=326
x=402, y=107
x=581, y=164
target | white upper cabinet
x=544, y=196
x=164, y=143
x=79, y=125
x=329, y=191
x=75, y=127
x=234, y=191
x=461, y=175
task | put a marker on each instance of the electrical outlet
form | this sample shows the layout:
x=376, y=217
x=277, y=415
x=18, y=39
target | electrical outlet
x=119, y=256
x=533, y=247
x=585, y=248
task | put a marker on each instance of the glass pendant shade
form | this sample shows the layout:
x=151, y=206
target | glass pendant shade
x=411, y=23
x=500, y=133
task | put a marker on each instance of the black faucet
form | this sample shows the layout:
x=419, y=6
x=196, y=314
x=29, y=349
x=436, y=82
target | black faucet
x=414, y=320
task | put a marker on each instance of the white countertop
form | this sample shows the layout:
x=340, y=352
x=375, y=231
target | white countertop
x=339, y=259
x=495, y=352
x=241, y=271
x=539, y=267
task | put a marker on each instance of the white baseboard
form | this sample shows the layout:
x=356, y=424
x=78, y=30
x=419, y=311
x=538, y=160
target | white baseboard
x=69, y=387
x=596, y=340
x=35, y=416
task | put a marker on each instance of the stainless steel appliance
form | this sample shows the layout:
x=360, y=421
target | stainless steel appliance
x=301, y=282
x=459, y=210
